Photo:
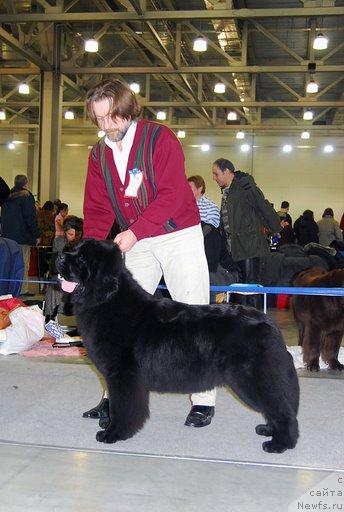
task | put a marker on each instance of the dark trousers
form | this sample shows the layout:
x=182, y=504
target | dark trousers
x=249, y=270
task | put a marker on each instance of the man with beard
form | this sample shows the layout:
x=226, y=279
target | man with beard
x=136, y=178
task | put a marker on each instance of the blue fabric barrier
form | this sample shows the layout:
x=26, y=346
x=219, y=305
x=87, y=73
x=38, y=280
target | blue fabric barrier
x=289, y=290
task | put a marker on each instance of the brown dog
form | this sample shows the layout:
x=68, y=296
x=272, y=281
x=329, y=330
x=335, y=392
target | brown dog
x=320, y=319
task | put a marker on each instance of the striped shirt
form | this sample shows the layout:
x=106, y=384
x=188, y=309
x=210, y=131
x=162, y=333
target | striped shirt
x=209, y=211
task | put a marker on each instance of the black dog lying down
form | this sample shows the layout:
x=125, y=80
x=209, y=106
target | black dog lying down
x=141, y=344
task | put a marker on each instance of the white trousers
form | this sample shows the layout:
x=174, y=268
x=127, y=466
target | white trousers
x=180, y=258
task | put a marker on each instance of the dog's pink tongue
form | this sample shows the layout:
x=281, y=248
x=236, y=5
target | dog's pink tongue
x=68, y=286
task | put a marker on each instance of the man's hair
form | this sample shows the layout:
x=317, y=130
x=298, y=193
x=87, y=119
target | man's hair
x=122, y=101
x=224, y=164
x=328, y=212
x=20, y=181
x=198, y=181
x=284, y=204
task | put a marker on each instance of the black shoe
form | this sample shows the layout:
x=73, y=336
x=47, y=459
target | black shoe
x=99, y=411
x=200, y=416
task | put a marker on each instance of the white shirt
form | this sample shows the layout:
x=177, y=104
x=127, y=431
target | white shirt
x=121, y=157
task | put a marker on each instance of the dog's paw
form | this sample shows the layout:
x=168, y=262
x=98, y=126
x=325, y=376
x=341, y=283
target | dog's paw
x=104, y=422
x=336, y=365
x=273, y=447
x=264, y=430
x=105, y=436
x=313, y=366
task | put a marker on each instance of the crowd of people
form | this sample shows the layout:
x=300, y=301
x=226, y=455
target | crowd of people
x=24, y=221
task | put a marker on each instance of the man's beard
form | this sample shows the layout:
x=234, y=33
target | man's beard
x=117, y=135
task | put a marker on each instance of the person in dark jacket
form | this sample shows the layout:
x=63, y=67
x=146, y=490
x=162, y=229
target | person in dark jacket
x=4, y=191
x=19, y=221
x=244, y=214
x=306, y=229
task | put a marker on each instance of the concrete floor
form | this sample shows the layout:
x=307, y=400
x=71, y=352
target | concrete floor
x=40, y=479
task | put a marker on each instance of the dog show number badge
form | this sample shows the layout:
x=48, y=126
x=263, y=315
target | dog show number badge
x=135, y=180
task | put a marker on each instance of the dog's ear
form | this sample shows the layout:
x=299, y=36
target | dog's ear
x=104, y=264
x=105, y=288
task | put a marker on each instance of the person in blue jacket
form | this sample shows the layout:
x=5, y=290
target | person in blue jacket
x=19, y=221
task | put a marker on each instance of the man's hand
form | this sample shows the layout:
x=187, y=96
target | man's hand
x=125, y=240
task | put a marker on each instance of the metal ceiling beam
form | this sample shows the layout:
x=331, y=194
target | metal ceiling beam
x=207, y=104
x=216, y=47
x=161, y=55
x=218, y=14
x=248, y=103
x=20, y=71
x=284, y=85
x=329, y=87
x=302, y=68
x=25, y=52
x=221, y=128
x=332, y=52
x=277, y=41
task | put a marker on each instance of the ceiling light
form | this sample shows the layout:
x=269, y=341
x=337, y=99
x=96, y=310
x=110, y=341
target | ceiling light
x=328, y=148
x=232, y=116
x=220, y=88
x=135, y=87
x=245, y=147
x=305, y=134
x=10, y=145
x=161, y=115
x=101, y=133
x=312, y=87
x=240, y=134
x=24, y=89
x=91, y=45
x=287, y=148
x=200, y=44
x=205, y=147
x=2, y=115
x=320, y=42
x=69, y=114
x=242, y=98
x=308, y=115
x=181, y=134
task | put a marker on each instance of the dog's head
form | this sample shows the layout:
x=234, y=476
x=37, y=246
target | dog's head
x=90, y=271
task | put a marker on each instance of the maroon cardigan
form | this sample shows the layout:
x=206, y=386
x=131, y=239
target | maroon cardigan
x=172, y=202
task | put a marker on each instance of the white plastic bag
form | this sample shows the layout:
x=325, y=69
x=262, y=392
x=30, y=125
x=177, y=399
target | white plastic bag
x=27, y=327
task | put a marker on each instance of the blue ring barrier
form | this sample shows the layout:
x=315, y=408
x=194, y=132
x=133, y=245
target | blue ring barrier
x=287, y=290
x=241, y=288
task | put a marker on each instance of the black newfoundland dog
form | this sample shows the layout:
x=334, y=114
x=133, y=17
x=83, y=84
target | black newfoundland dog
x=141, y=344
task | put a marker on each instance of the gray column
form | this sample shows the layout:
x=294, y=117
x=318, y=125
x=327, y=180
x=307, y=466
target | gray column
x=50, y=136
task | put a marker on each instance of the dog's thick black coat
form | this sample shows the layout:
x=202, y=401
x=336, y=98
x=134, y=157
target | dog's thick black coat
x=141, y=344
